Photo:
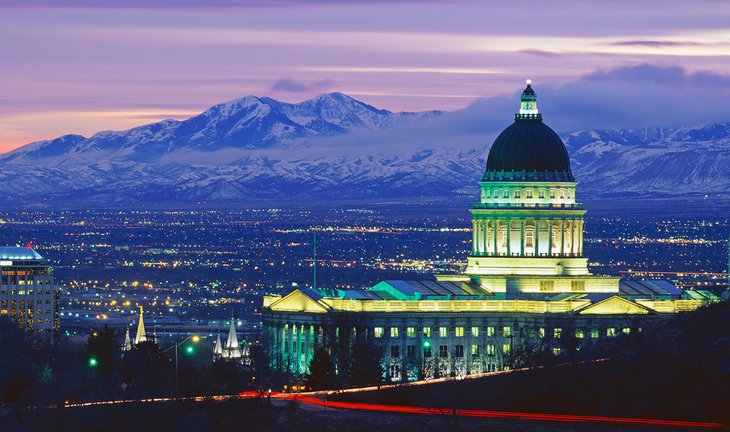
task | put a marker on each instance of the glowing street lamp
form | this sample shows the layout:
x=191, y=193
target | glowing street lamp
x=93, y=362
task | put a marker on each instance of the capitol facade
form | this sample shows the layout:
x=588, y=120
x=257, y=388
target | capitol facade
x=526, y=287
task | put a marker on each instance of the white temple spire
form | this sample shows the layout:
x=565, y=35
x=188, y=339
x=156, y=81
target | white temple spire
x=232, y=341
x=127, y=342
x=218, y=349
x=141, y=333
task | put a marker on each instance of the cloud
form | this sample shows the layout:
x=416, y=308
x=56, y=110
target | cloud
x=656, y=75
x=185, y=4
x=541, y=53
x=656, y=43
x=626, y=97
x=291, y=85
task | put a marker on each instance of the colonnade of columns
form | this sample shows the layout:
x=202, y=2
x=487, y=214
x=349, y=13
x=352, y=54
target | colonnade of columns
x=293, y=345
x=527, y=237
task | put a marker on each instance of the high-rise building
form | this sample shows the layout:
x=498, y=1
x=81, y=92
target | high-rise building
x=28, y=294
x=526, y=282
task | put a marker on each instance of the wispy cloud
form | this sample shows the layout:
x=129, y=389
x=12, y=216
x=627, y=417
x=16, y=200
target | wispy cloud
x=655, y=43
x=292, y=85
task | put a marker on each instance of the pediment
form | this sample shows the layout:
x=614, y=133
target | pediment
x=614, y=305
x=297, y=301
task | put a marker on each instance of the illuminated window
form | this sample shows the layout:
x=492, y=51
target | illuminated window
x=394, y=332
x=394, y=351
x=378, y=332
x=411, y=332
x=506, y=348
x=556, y=351
x=547, y=285
x=626, y=330
x=542, y=332
x=507, y=331
x=427, y=331
x=611, y=332
x=490, y=331
x=443, y=351
x=579, y=333
x=459, y=351
x=595, y=333
x=475, y=350
x=557, y=332
x=475, y=331
x=443, y=332
x=578, y=285
x=459, y=331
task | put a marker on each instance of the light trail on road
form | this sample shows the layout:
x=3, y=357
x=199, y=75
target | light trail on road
x=415, y=410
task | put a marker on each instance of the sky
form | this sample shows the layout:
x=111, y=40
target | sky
x=71, y=66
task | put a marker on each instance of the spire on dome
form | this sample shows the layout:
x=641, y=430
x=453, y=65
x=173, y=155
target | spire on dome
x=127, y=342
x=528, y=104
x=141, y=333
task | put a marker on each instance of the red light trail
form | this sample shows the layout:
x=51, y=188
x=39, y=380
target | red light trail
x=414, y=410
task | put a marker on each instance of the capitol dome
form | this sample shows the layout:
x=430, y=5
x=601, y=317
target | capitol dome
x=528, y=150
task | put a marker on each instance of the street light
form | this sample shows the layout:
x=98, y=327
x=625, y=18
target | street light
x=188, y=349
x=93, y=362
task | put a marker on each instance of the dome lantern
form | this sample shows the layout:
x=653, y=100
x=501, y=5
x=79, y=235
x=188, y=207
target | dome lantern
x=528, y=104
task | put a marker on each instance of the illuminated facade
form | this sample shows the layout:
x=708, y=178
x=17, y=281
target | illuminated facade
x=526, y=282
x=28, y=293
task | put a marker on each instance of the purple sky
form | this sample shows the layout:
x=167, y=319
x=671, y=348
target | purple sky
x=72, y=67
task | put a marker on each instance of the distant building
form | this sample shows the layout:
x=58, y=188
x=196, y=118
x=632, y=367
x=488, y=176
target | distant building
x=28, y=294
x=231, y=350
x=526, y=283
x=140, y=336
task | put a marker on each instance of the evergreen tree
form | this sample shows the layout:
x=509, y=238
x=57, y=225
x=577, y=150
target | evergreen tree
x=104, y=352
x=321, y=371
x=367, y=367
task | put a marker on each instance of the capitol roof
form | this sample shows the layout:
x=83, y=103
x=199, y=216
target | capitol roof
x=528, y=150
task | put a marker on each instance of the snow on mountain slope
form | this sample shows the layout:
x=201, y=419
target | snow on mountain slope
x=242, y=151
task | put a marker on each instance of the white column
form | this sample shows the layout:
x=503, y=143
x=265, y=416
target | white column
x=580, y=236
x=509, y=235
x=495, y=228
x=474, y=247
x=537, y=237
x=562, y=237
x=485, y=237
x=550, y=237
x=572, y=237
x=522, y=238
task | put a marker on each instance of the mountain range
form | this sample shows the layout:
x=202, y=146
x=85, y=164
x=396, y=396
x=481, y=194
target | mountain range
x=256, y=149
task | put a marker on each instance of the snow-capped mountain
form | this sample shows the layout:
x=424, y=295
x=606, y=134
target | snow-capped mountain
x=247, y=123
x=255, y=149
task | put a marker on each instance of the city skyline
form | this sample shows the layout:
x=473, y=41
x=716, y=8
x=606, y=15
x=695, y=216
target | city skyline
x=73, y=67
